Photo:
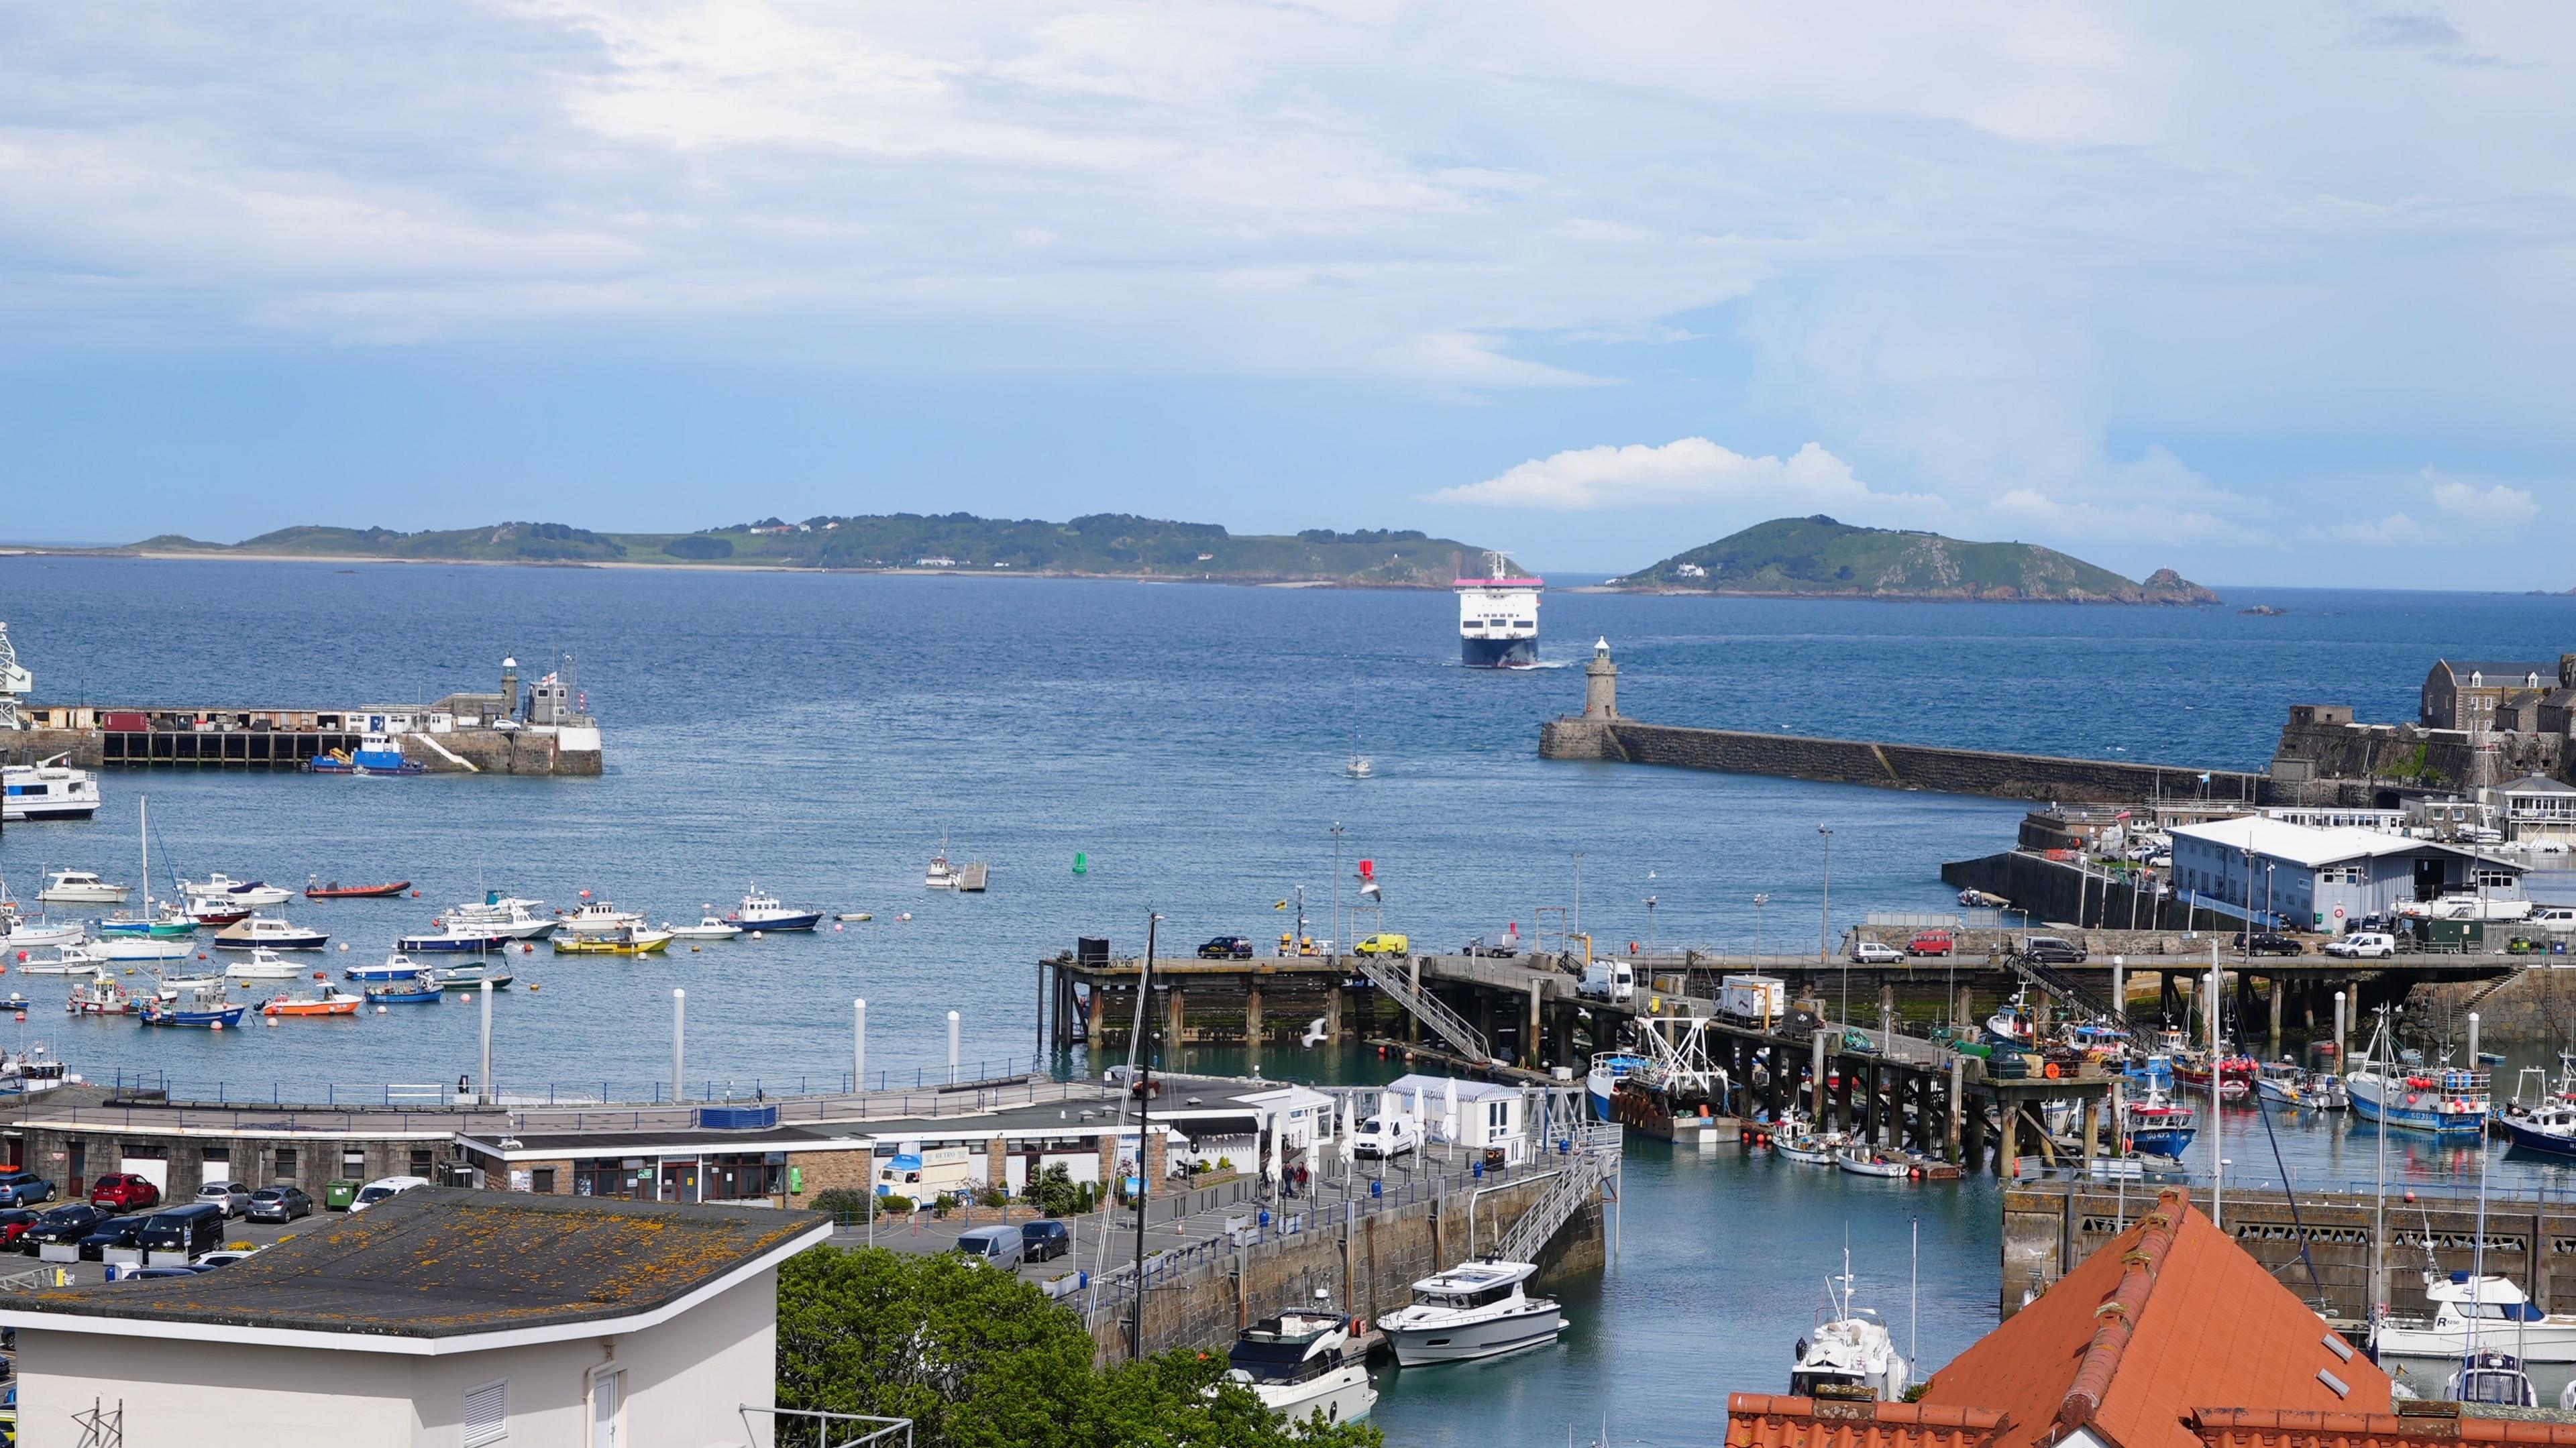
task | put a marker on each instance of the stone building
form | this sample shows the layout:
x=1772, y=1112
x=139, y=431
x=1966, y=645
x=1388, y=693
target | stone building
x=2497, y=694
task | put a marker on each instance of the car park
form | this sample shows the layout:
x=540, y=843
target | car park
x=2363, y=945
x=384, y=1187
x=279, y=1204
x=2266, y=942
x=991, y=1246
x=23, y=1188
x=1227, y=947
x=2052, y=950
x=1043, y=1241
x=125, y=1192
x=233, y=1197
x=1871, y=952
x=65, y=1224
x=1930, y=942
x=1385, y=944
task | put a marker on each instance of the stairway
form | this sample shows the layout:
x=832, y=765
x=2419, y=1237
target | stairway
x=1427, y=1008
x=1593, y=1161
x=2065, y=987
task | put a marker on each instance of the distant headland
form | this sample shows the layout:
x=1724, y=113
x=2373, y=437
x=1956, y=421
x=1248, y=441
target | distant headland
x=1820, y=558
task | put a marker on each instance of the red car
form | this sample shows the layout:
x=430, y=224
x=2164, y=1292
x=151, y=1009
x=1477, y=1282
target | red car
x=14, y=1224
x=1929, y=942
x=124, y=1192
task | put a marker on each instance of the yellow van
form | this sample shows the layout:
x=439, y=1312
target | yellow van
x=1384, y=945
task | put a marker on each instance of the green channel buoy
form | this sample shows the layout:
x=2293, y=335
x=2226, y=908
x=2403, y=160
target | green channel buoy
x=1081, y=863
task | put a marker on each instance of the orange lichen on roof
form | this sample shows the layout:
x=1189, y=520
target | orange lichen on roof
x=2441, y=1423
x=1760, y=1420
x=2168, y=1316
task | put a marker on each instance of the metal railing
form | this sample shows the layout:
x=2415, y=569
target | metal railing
x=980, y=1074
x=1426, y=1007
x=814, y=1428
x=1590, y=1159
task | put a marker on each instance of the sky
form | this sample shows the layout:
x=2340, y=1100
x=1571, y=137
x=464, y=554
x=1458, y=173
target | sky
x=2270, y=294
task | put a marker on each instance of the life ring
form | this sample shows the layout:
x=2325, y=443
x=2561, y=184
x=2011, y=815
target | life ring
x=2050, y=1070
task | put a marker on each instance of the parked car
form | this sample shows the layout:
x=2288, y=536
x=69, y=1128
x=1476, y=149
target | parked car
x=383, y=1188
x=2052, y=950
x=14, y=1224
x=152, y=1274
x=991, y=1246
x=1870, y=952
x=187, y=1232
x=233, y=1197
x=1227, y=947
x=1504, y=949
x=114, y=1232
x=1385, y=945
x=226, y=1257
x=67, y=1223
x=279, y=1204
x=2266, y=942
x=1386, y=1136
x=2363, y=945
x=1930, y=942
x=1042, y=1241
x=125, y=1192
x=23, y=1188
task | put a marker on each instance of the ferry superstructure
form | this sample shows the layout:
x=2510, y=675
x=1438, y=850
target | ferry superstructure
x=52, y=790
x=1498, y=618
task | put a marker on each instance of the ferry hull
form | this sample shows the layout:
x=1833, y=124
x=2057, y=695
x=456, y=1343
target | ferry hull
x=1498, y=653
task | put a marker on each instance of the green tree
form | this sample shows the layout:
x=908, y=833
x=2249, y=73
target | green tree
x=979, y=1359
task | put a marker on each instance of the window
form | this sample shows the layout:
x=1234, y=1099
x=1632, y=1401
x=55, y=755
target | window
x=353, y=1163
x=542, y=1181
x=736, y=1178
x=285, y=1165
x=2495, y=879
x=487, y=1413
x=424, y=1160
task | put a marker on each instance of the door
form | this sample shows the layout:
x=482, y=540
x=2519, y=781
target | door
x=607, y=1394
x=2428, y=879
x=152, y=1168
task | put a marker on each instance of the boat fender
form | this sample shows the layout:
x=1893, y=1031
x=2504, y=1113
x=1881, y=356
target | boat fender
x=1914, y=1173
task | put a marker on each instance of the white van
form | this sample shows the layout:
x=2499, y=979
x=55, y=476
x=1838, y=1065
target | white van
x=992, y=1246
x=382, y=1188
x=1386, y=1135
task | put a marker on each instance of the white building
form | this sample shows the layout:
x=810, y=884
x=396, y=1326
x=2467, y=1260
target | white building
x=1478, y=1115
x=2309, y=879
x=2536, y=807
x=441, y=1319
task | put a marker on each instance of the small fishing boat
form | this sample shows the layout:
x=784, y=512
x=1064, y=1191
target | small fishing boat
x=133, y=949
x=203, y=1009
x=2158, y=1126
x=272, y=931
x=1982, y=900
x=264, y=964
x=632, y=941
x=855, y=915
x=376, y=753
x=2445, y=1102
x=328, y=1001
x=709, y=927
x=455, y=939
x=1358, y=766
x=314, y=889
x=2281, y=1083
x=471, y=977
x=1811, y=1150
x=220, y=886
x=404, y=993
x=65, y=960
x=767, y=914
x=1474, y=1310
x=394, y=967
x=598, y=917
x=941, y=875
x=2492, y=1377
x=101, y=995
x=1863, y=1160
x=2235, y=1074
x=504, y=915
x=1850, y=1348
x=82, y=887
x=1608, y=1069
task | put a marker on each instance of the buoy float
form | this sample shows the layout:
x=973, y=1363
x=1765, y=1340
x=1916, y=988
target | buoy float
x=694, y=949
x=380, y=1010
x=534, y=986
x=268, y=1020
x=415, y=894
x=526, y=949
x=835, y=930
x=755, y=935
x=214, y=1025
x=344, y=947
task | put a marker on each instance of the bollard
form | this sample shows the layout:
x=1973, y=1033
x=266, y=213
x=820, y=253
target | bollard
x=859, y=1047
x=952, y=1048
x=2473, y=1040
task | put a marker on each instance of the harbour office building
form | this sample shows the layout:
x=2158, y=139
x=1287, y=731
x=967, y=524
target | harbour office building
x=2290, y=875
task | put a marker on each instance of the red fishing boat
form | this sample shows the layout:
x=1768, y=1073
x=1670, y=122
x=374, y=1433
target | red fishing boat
x=314, y=889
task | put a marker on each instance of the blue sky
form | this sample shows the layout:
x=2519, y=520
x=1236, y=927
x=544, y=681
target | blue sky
x=2269, y=295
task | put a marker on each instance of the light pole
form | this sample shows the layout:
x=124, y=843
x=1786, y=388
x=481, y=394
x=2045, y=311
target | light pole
x=1337, y=889
x=1825, y=922
x=1760, y=899
x=1650, y=926
x=1578, y=892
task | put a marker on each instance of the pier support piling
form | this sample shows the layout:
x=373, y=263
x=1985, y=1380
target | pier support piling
x=1816, y=1077
x=1950, y=1142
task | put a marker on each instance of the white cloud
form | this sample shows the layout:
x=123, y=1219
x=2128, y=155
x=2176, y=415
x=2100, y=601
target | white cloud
x=2463, y=513
x=2147, y=521
x=2397, y=530
x=1692, y=470
x=2496, y=504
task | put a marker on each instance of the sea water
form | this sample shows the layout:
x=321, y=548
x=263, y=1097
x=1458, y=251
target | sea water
x=822, y=734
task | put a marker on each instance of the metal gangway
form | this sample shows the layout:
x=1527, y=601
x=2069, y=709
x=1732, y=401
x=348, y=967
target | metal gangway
x=1427, y=1008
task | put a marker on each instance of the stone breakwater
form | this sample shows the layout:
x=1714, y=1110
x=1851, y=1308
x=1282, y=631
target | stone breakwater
x=1888, y=766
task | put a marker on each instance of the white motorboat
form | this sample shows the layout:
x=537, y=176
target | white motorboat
x=133, y=949
x=82, y=887
x=253, y=893
x=1851, y=1348
x=505, y=915
x=394, y=967
x=17, y=932
x=1474, y=1310
x=264, y=964
x=709, y=927
x=65, y=960
x=1300, y=1364
x=470, y=977
x=1862, y=1159
x=598, y=917
x=941, y=875
x=2504, y=1318
x=272, y=931
x=49, y=789
x=1809, y=1149
x=769, y=915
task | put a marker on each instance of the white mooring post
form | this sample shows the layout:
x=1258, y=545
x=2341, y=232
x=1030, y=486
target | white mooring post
x=679, y=1039
x=952, y=1048
x=859, y=1047
x=491, y=1093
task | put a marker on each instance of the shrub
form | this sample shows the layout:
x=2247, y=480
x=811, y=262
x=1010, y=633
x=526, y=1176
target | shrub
x=699, y=547
x=993, y=1197
x=849, y=1204
x=895, y=1206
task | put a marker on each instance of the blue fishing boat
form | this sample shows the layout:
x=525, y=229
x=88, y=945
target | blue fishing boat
x=405, y=993
x=2548, y=1128
x=394, y=967
x=215, y=1014
x=2158, y=1126
x=769, y=915
x=1608, y=1067
x=455, y=940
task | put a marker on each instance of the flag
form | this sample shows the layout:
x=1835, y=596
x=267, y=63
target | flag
x=2124, y=814
x=1282, y=905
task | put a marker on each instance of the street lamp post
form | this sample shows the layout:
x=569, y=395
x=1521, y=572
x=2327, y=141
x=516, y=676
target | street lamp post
x=1338, y=937
x=1760, y=899
x=1650, y=926
x=1825, y=922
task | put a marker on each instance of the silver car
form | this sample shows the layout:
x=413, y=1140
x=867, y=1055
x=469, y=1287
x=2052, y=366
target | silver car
x=233, y=1197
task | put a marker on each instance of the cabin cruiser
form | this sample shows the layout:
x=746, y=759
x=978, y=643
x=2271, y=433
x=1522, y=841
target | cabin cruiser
x=2548, y=1125
x=598, y=917
x=253, y=893
x=2503, y=1316
x=254, y=931
x=82, y=887
x=394, y=967
x=264, y=964
x=766, y=913
x=1851, y=1348
x=1473, y=1310
x=47, y=790
x=217, y=911
x=66, y=960
x=1300, y=1364
x=518, y=919
x=709, y=927
x=17, y=932
x=455, y=939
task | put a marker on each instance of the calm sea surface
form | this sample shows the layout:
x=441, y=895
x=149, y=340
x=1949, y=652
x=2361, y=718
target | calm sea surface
x=820, y=735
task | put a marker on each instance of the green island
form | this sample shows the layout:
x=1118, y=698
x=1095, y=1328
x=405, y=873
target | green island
x=1100, y=544
x=1818, y=557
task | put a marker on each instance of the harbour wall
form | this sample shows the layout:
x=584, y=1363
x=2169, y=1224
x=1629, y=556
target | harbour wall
x=1888, y=766
x=2533, y=1006
x=466, y=749
x=1367, y=1260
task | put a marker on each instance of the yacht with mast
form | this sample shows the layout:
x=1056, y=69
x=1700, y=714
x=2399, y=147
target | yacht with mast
x=1498, y=618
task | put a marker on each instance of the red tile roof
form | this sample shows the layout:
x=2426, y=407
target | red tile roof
x=1759, y=1420
x=2169, y=1316
x=2262, y=1428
